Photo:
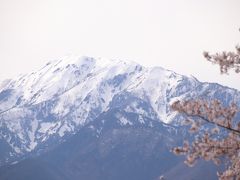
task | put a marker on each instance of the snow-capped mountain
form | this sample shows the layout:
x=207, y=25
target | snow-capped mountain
x=42, y=109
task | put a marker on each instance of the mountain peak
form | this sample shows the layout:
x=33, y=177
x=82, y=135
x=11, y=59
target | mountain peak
x=69, y=93
x=72, y=72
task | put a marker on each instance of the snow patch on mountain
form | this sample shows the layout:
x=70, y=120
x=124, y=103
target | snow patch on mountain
x=69, y=93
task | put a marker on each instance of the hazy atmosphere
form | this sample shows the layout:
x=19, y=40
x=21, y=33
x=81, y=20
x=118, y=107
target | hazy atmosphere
x=168, y=33
x=119, y=90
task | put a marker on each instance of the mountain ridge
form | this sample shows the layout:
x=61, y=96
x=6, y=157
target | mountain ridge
x=42, y=109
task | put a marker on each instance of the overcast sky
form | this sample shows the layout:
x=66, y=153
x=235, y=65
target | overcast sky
x=168, y=33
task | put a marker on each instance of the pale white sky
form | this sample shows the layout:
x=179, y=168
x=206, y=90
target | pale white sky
x=168, y=33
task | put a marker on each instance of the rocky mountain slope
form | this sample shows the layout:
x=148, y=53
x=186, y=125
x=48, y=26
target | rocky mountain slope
x=111, y=99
